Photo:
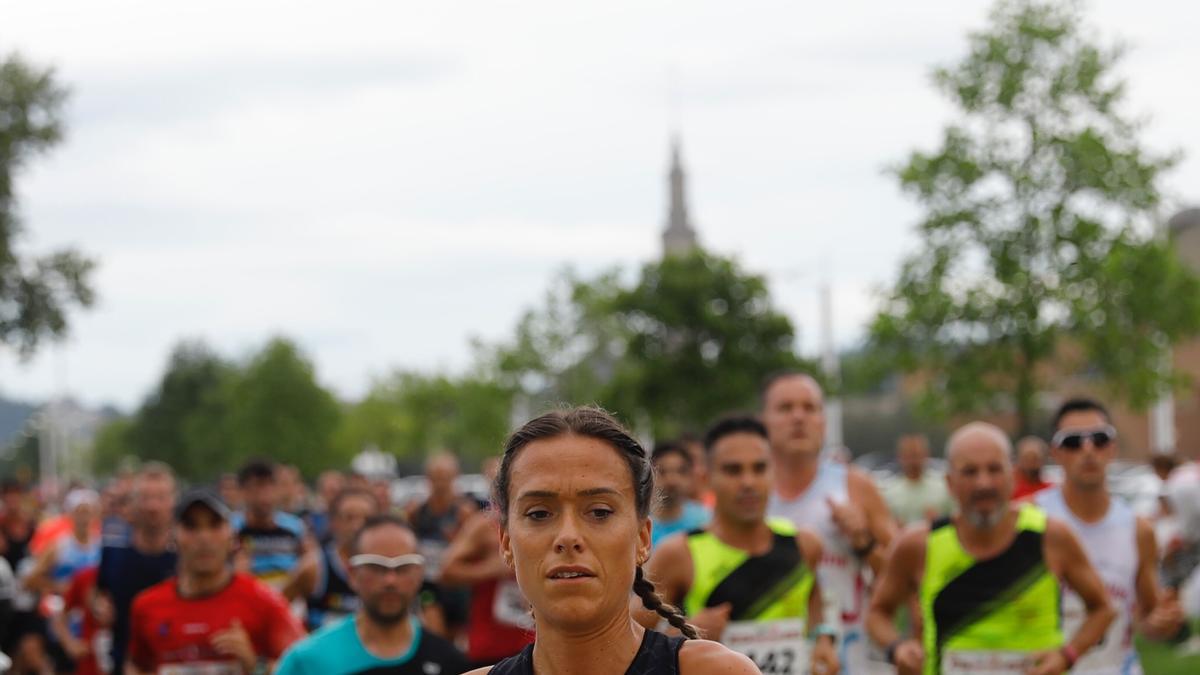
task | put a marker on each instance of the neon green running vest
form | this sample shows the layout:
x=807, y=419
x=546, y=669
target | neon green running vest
x=1009, y=603
x=775, y=585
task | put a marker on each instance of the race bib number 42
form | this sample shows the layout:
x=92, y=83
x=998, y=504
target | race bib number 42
x=779, y=647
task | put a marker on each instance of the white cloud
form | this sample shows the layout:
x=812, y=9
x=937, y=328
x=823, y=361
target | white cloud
x=382, y=180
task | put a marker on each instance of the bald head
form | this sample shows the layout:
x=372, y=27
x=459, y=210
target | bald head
x=975, y=437
x=980, y=473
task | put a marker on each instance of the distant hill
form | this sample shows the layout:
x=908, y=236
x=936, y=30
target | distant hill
x=12, y=417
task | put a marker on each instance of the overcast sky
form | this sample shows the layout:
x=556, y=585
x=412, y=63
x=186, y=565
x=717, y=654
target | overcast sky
x=382, y=181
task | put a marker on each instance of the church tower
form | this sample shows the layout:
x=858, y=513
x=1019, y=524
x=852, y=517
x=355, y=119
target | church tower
x=679, y=238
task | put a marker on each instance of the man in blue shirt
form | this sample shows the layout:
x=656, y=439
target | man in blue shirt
x=675, y=512
x=272, y=541
x=146, y=558
x=383, y=636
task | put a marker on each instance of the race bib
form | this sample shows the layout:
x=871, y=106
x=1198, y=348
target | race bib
x=961, y=662
x=433, y=552
x=201, y=668
x=779, y=647
x=510, y=606
x=102, y=650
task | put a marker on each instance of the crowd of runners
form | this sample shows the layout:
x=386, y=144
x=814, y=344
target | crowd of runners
x=748, y=548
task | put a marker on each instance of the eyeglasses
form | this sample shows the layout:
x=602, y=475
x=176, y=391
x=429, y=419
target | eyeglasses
x=1072, y=439
x=378, y=564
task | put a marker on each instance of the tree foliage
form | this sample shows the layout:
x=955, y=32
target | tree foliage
x=411, y=415
x=691, y=338
x=1041, y=209
x=35, y=292
x=207, y=415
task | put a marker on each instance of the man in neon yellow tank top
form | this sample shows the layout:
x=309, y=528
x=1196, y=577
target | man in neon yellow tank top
x=746, y=580
x=988, y=578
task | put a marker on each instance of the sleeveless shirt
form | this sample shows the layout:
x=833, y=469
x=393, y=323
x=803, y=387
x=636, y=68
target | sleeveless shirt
x=657, y=655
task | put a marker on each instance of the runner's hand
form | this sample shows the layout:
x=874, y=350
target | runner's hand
x=712, y=621
x=910, y=658
x=824, y=657
x=102, y=609
x=75, y=648
x=852, y=521
x=1165, y=620
x=235, y=641
x=1048, y=663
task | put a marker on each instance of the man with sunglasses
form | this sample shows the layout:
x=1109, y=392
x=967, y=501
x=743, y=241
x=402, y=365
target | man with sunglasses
x=383, y=635
x=1120, y=544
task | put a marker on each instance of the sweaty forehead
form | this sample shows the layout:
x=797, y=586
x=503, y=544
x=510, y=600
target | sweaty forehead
x=1082, y=419
x=793, y=388
x=387, y=539
x=977, y=449
x=569, y=464
x=741, y=447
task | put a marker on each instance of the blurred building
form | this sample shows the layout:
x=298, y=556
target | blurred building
x=679, y=237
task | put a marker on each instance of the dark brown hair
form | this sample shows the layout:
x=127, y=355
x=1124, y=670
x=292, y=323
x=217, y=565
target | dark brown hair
x=598, y=424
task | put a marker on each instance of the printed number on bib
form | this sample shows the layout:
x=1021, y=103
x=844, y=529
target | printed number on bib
x=956, y=662
x=778, y=647
x=510, y=606
x=201, y=668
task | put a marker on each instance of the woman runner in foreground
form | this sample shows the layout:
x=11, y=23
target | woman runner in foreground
x=573, y=494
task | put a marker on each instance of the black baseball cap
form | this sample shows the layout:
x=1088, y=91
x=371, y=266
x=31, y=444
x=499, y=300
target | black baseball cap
x=206, y=498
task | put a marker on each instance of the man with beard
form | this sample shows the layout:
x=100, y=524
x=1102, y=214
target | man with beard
x=1120, y=544
x=989, y=579
x=383, y=636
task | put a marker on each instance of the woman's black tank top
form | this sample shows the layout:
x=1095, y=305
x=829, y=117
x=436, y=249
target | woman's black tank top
x=658, y=655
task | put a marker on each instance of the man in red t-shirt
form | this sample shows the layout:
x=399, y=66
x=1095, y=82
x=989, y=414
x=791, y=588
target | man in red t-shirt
x=1031, y=457
x=207, y=620
x=90, y=649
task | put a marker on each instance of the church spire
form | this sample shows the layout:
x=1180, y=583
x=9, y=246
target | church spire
x=679, y=238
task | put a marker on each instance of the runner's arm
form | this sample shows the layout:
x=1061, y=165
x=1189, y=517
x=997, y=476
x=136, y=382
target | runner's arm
x=1066, y=554
x=1158, y=617
x=811, y=549
x=467, y=561
x=38, y=579
x=896, y=585
x=669, y=569
x=703, y=657
x=880, y=523
x=303, y=580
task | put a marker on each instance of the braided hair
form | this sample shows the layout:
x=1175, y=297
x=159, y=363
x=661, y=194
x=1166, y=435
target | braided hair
x=597, y=424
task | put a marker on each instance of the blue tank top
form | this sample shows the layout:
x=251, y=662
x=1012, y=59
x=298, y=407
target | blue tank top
x=72, y=557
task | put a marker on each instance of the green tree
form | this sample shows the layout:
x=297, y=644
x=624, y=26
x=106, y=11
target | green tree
x=690, y=339
x=564, y=351
x=1041, y=216
x=183, y=422
x=277, y=409
x=701, y=334
x=411, y=415
x=35, y=292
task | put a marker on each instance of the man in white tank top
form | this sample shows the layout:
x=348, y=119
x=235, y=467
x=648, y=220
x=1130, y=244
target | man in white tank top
x=1120, y=544
x=841, y=504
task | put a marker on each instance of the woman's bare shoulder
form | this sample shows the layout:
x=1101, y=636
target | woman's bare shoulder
x=479, y=671
x=704, y=657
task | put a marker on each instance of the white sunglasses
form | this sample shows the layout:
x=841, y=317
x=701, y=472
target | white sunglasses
x=383, y=561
